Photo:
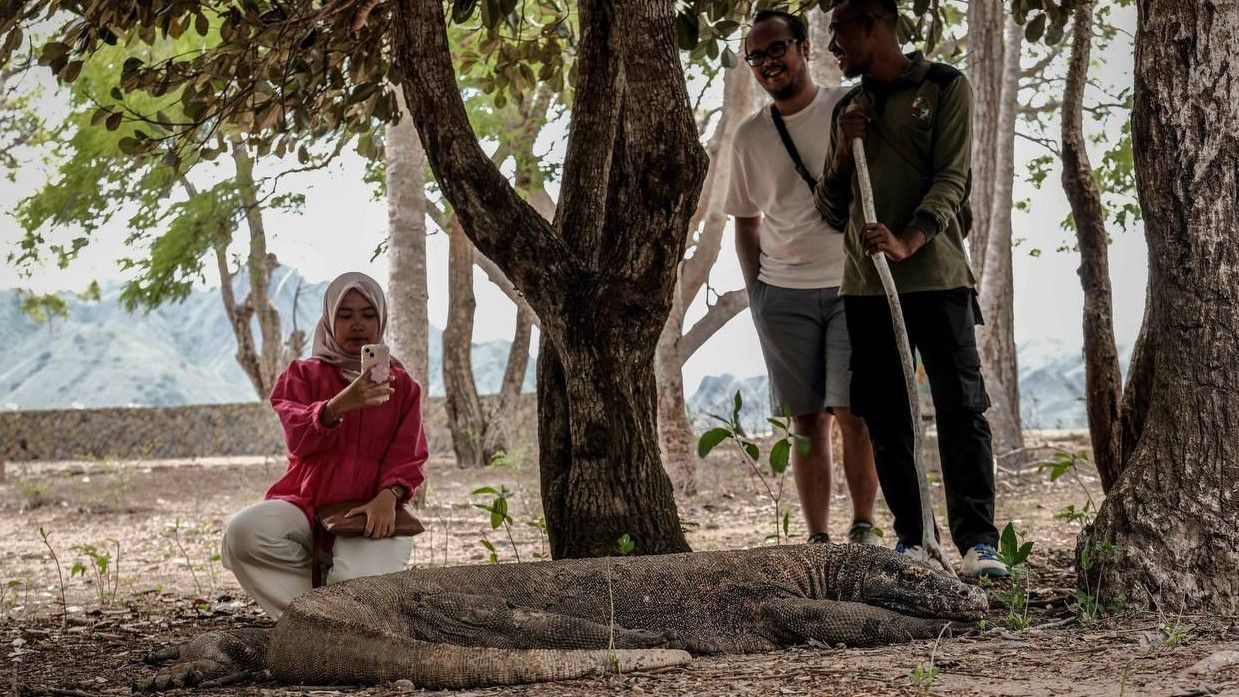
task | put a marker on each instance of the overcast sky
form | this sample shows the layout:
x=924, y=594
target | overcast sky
x=341, y=226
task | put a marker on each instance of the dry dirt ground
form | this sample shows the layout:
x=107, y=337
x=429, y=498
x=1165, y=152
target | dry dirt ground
x=159, y=523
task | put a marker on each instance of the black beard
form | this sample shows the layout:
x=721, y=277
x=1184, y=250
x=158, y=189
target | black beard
x=785, y=93
x=788, y=92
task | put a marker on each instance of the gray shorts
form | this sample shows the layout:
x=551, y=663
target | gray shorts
x=804, y=339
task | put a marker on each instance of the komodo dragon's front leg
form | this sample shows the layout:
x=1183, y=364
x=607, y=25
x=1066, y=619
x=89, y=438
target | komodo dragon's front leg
x=214, y=658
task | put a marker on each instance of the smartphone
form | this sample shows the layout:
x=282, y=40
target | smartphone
x=376, y=358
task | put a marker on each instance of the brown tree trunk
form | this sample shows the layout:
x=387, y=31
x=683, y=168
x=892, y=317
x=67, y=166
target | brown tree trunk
x=465, y=417
x=1102, y=377
x=1171, y=517
x=408, y=322
x=994, y=60
x=600, y=277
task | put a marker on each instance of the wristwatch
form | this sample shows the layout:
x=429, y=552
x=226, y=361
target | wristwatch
x=397, y=490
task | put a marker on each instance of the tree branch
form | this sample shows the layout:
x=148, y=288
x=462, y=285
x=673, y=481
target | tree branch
x=729, y=304
x=595, y=127
x=500, y=223
x=737, y=103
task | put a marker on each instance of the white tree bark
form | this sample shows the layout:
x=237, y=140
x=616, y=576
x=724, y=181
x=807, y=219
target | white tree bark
x=677, y=443
x=822, y=65
x=408, y=322
x=995, y=41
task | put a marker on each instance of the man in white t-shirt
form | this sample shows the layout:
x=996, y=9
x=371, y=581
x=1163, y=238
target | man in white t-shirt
x=793, y=265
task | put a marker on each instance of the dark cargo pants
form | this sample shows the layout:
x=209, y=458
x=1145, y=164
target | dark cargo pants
x=941, y=327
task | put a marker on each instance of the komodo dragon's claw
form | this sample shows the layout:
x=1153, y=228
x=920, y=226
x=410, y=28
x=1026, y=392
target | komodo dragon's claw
x=212, y=659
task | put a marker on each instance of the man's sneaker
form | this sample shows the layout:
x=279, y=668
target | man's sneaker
x=983, y=560
x=862, y=533
x=819, y=538
x=918, y=554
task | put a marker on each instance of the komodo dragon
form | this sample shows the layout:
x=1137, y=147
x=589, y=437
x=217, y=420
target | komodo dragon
x=473, y=626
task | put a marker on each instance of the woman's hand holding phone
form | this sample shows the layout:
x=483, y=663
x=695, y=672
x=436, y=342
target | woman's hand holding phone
x=361, y=393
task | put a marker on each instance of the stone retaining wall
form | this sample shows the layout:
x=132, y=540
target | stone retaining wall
x=211, y=430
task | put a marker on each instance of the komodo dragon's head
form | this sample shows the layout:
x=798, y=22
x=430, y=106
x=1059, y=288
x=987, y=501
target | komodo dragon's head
x=881, y=577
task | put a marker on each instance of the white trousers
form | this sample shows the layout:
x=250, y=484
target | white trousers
x=267, y=547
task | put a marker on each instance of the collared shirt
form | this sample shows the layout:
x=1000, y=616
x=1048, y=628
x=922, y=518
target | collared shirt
x=924, y=191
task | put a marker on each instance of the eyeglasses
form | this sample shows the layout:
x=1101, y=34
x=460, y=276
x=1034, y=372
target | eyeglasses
x=776, y=49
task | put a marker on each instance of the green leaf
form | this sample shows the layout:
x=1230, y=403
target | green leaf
x=751, y=450
x=787, y=521
x=129, y=146
x=1008, y=544
x=1054, y=34
x=735, y=410
x=462, y=10
x=52, y=52
x=803, y=444
x=72, y=70
x=710, y=440
x=730, y=60
x=779, y=455
x=78, y=569
x=484, y=490
x=625, y=545
x=686, y=30
x=1035, y=28
x=490, y=13
x=1025, y=550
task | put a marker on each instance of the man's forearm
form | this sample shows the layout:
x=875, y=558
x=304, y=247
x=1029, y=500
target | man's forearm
x=833, y=195
x=748, y=249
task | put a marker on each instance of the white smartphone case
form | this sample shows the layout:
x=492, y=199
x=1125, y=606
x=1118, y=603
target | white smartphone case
x=376, y=358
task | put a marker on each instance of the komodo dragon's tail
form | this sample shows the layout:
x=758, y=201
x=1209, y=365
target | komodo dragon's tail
x=316, y=653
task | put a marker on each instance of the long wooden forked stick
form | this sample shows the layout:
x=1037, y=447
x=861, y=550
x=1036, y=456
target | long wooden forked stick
x=929, y=537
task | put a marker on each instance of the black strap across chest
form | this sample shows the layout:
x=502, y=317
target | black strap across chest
x=791, y=149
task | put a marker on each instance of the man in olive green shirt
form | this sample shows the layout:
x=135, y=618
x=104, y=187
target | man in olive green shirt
x=915, y=118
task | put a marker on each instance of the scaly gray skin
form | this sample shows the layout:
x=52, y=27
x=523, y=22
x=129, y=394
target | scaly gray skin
x=473, y=626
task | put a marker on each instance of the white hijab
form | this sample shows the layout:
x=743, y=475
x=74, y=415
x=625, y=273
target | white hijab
x=326, y=348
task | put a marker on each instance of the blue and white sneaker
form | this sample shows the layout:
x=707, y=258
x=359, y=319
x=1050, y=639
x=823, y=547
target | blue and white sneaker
x=983, y=560
x=918, y=554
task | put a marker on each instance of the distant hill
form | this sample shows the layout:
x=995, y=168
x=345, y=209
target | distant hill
x=103, y=356
x=1051, y=390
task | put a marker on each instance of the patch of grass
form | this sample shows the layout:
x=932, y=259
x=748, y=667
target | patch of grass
x=102, y=567
x=924, y=675
x=513, y=460
x=34, y=493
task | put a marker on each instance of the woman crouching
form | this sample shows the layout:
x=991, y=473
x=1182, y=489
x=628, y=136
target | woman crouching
x=349, y=438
